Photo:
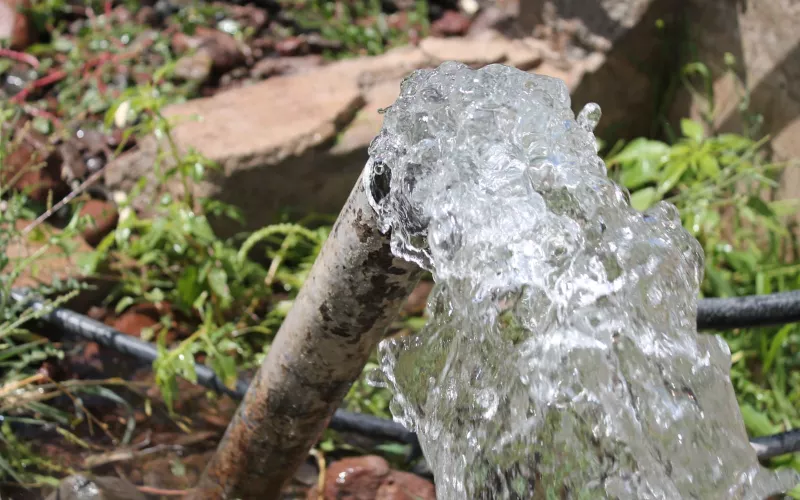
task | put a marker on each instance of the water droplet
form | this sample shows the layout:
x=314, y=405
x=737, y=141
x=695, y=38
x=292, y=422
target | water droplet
x=589, y=117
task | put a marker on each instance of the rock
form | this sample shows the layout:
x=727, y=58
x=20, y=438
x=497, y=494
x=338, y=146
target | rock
x=136, y=319
x=194, y=67
x=355, y=478
x=452, y=23
x=273, y=66
x=468, y=51
x=292, y=115
x=495, y=18
x=370, y=478
x=56, y=263
x=572, y=73
x=80, y=487
x=223, y=50
x=525, y=53
x=14, y=25
x=33, y=166
x=367, y=123
x=610, y=19
x=104, y=217
x=291, y=46
x=246, y=15
x=405, y=486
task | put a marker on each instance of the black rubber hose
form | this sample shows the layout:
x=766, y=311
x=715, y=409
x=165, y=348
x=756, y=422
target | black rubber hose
x=750, y=311
x=78, y=325
x=342, y=420
x=777, y=444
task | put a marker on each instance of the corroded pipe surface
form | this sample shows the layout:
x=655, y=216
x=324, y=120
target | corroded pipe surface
x=352, y=294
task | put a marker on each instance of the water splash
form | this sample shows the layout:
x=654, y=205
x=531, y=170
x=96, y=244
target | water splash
x=561, y=359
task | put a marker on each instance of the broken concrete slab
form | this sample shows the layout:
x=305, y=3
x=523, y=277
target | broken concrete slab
x=246, y=128
x=295, y=144
x=468, y=51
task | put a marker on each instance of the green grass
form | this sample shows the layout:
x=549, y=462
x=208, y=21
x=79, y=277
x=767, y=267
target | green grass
x=360, y=27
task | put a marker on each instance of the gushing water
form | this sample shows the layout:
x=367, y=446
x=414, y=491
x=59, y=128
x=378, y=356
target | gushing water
x=561, y=359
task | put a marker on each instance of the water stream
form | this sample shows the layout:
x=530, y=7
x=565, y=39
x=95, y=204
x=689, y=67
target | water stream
x=561, y=358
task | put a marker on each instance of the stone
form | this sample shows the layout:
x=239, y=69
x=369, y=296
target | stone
x=103, y=215
x=80, y=487
x=56, y=263
x=494, y=18
x=468, y=51
x=525, y=53
x=194, y=67
x=33, y=167
x=244, y=131
x=223, y=50
x=14, y=25
x=370, y=478
x=136, y=319
x=367, y=122
x=405, y=486
x=610, y=19
x=290, y=46
x=452, y=23
x=274, y=66
x=357, y=478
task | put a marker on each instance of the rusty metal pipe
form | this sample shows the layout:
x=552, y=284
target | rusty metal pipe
x=351, y=296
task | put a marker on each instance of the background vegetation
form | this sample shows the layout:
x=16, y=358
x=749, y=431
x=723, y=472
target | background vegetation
x=227, y=297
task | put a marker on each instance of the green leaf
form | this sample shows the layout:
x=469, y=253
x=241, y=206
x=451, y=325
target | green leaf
x=218, y=281
x=759, y=206
x=756, y=422
x=775, y=226
x=6, y=468
x=123, y=304
x=393, y=449
x=692, y=130
x=743, y=262
x=644, y=198
x=782, y=208
x=775, y=346
x=709, y=166
x=638, y=174
x=672, y=175
x=188, y=286
x=225, y=368
x=735, y=142
x=720, y=284
x=184, y=366
x=640, y=148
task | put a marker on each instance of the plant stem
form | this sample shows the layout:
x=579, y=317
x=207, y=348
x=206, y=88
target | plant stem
x=351, y=296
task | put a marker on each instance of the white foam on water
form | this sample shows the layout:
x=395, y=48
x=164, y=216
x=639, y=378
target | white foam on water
x=561, y=358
